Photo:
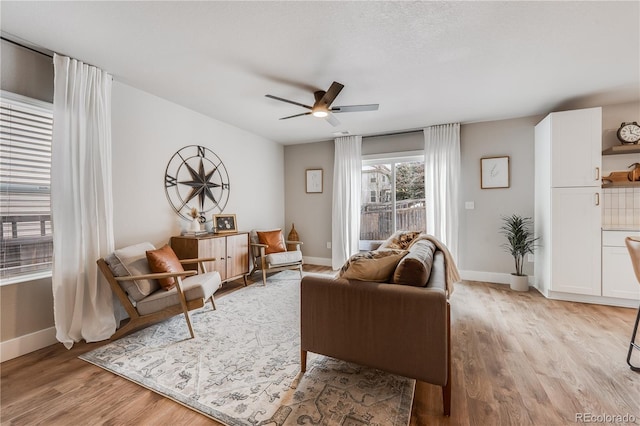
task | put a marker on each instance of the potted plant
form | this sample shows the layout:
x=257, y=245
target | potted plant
x=520, y=242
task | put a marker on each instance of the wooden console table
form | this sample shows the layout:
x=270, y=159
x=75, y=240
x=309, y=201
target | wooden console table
x=231, y=252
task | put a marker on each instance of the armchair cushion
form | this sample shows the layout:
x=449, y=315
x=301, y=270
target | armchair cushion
x=133, y=260
x=274, y=241
x=283, y=258
x=200, y=286
x=164, y=260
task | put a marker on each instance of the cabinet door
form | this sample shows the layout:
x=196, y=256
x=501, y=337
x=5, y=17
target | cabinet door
x=576, y=148
x=618, y=278
x=217, y=246
x=575, y=241
x=237, y=255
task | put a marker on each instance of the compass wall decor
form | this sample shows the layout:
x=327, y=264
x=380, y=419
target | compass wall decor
x=196, y=177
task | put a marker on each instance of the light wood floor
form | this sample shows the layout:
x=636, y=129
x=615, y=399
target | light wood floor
x=518, y=359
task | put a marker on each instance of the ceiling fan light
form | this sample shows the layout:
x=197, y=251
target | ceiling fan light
x=320, y=113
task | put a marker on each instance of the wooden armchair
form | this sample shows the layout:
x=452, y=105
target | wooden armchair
x=127, y=272
x=269, y=251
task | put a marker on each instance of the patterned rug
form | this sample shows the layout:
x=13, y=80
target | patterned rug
x=243, y=366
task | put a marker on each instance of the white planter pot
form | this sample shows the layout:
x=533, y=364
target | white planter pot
x=519, y=282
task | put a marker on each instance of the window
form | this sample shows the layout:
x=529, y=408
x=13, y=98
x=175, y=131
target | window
x=401, y=201
x=26, y=245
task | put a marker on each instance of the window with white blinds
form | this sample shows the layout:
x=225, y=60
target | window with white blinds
x=26, y=127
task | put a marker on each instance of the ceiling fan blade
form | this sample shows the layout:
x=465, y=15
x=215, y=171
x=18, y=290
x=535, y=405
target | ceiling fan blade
x=296, y=115
x=332, y=120
x=288, y=101
x=330, y=94
x=355, y=108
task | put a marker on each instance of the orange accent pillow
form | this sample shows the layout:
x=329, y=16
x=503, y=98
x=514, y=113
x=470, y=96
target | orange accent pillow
x=273, y=239
x=164, y=260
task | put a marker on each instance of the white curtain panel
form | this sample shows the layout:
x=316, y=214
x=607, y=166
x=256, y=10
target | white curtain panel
x=442, y=181
x=347, y=181
x=81, y=201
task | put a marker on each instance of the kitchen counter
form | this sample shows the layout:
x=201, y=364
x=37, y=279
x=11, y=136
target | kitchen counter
x=632, y=228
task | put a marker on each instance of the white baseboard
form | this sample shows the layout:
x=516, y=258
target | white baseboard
x=598, y=300
x=320, y=261
x=22, y=345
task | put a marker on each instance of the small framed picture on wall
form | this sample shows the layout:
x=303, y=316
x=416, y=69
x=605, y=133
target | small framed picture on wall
x=313, y=181
x=494, y=172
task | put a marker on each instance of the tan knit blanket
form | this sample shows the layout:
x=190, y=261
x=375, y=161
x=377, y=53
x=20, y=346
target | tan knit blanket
x=452, y=275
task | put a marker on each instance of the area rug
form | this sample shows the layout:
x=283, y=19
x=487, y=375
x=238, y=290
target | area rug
x=243, y=367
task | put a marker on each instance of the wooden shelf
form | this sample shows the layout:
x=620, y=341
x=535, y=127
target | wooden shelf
x=635, y=184
x=622, y=149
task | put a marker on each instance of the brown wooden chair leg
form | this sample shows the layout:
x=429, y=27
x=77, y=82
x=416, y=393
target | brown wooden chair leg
x=213, y=303
x=303, y=360
x=183, y=302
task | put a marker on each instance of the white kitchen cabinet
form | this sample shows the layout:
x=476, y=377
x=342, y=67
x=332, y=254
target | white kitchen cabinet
x=575, y=244
x=568, y=213
x=618, y=278
x=576, y=147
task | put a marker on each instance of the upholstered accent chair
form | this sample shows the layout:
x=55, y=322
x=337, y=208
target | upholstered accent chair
x=269, y=251
x=633, y=245
x=152, y=286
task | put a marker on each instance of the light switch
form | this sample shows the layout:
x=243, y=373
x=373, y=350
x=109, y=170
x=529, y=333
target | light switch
x=469, y=205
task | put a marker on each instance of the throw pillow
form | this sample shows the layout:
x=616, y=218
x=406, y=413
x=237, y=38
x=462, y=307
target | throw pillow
x=415, y=268
x=375, y=266
x=164, y=260
x=273, y=239
x=400, y=240
x=134, y=260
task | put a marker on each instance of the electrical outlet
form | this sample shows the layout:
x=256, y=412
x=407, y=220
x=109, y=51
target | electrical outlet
x=328, y=244
x=530, y=257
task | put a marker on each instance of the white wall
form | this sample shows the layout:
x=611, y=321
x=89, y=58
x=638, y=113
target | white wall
x=148, y=130
x=481, y=256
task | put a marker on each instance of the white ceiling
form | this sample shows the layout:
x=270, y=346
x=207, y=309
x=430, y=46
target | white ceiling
x=425, y=63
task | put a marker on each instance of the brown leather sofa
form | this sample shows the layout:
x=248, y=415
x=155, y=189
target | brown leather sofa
x=401, y=329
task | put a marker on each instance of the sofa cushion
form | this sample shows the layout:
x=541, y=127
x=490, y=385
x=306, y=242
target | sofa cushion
x=415, y=268
x=273, y=239
x=164, y=259
x=375, y=266
x=400, y=240
x=200, y=286
x=134, y=261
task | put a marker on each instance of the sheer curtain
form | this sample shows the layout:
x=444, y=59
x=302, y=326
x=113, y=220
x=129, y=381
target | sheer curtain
x=442, y=181
x=81, y=201
x=347, y=180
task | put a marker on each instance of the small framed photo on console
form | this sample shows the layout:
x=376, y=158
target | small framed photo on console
x=223, y=223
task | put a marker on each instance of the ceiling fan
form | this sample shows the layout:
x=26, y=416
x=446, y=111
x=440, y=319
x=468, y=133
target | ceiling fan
x=322, y=106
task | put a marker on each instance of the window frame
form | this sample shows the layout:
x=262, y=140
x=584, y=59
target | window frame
x=391, y=158
x=45, y=107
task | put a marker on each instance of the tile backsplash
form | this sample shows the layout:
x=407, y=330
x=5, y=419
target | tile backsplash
x=621, y=206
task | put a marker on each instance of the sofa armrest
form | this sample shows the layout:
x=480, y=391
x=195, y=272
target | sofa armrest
x=399, y=329
x=155, y=276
